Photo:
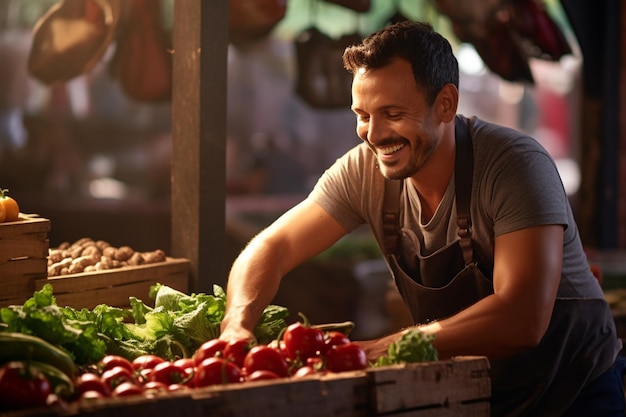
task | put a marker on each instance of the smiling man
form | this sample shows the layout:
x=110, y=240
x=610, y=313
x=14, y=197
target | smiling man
x=476, y=229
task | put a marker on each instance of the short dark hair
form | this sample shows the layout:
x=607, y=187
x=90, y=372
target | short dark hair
x=430, y=54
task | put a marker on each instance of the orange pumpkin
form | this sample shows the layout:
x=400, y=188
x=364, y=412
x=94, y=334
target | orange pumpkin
x=9, y=209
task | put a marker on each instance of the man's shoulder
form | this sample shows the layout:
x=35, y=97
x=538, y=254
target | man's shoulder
x=492, y=140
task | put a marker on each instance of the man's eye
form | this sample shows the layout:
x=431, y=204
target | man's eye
x=362, y=118
x=394, y=116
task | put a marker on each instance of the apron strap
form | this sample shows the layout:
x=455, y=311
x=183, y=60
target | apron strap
x=463, y=188
x=391, y=217
x=463, y=173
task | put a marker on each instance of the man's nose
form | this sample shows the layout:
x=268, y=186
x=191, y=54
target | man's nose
x=375, y=130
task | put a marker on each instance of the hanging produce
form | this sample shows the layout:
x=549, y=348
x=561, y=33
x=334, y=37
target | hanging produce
x=142, y=62
x=71, y=38
x=507, y=33
x=253, y=20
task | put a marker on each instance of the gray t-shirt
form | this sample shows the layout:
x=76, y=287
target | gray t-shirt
x=515, y=185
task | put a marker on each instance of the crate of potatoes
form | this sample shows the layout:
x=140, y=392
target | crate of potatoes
x=23, y=257
x=89, y=272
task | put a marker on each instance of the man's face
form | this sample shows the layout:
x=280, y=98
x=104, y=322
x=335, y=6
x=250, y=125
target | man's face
x=394, y=118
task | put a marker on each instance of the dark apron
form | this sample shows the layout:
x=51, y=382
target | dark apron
x=578, y=346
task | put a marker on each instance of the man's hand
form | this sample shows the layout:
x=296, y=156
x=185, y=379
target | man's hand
x=376, y=348
x=228, y=334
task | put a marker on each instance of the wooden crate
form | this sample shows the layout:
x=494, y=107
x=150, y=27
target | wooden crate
x=459, y=387
x=115, y=286
x=23, y=257
x=338, y=395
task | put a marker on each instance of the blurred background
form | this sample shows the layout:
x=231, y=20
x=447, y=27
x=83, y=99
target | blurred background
x=91, y=150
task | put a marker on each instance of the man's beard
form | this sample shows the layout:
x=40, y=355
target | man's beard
x=391, y=174
x=415, y=164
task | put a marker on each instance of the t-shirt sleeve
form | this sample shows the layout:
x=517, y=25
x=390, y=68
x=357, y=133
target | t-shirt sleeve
x=526, y=189
x=344, y=189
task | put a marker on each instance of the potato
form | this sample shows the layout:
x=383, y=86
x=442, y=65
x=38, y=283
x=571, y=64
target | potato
x=91, y=250
x=123, y=253
x=109, y=252
x=64, y=245
x=74, y=252
x=102, y=244
x=136, y=259
x=84, y=261
x=154, y=256
x=75, y=268
x=82, y=242
x=56, y=269
x=54, y=256
x=104, y=263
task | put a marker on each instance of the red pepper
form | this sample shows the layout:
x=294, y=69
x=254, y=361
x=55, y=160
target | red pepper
x=22, y=386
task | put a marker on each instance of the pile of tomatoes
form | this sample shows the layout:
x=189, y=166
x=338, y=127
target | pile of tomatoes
x=302, y=350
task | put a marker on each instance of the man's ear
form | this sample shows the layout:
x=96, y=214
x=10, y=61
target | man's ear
x=447, y=102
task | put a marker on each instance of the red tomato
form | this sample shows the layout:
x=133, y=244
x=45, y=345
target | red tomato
x=347, y=357
x=180, y=387
x=143, y=375
x=263, y=357
x=189, y=366
x=303, y=341
x=127, y=389
x=260, y=375
x=91, y=382
x=279, y=345
x=209, y=349
x=146, y=362
x=111, y=361
x=304, y=371
x=316, y=362
x=168, y=373
x=185, y=363
x=90, y=395
x=236, y=351
x=334, y=338
x=154, y=387
x=117, y=376
x=22, y=387
x=216, y=371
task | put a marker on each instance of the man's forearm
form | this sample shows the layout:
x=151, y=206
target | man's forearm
x=252, y=284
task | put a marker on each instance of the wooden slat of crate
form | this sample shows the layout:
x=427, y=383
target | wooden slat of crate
x=481, y=409
x=27, y=224
x=17, y=279
x=458, y=387
x=23, y=257
x=115, y=286
x=34, y=245
x=341, y=396
x=172, y=404
x=24, y=238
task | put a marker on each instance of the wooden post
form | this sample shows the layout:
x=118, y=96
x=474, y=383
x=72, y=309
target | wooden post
x=621, y=112
x=200, y=40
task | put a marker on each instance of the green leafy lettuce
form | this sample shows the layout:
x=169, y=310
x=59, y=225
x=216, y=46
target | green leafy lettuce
x=413, y=346
x=175, y=327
